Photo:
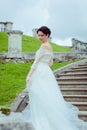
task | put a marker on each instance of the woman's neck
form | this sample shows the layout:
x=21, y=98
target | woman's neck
x=45, y=42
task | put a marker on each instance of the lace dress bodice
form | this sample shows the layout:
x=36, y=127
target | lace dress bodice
x=43, y=55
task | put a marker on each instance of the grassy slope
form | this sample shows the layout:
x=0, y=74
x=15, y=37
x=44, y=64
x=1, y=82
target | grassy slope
x=29, y=44
x=12, y=80
x=3, y=42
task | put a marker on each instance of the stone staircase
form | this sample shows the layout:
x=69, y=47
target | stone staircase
x=73, y=85
x=72, y=80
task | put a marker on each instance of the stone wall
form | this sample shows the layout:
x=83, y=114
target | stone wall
x=58, y=56
x=78, y=46
x=68, y=56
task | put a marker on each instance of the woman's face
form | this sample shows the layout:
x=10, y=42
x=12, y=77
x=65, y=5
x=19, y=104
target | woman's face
x=42, y=37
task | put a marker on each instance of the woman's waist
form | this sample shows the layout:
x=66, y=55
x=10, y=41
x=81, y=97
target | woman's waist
x=42, y=64
x=46, y=62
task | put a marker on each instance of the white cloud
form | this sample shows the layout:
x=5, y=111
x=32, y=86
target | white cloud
x=65, y=42
x=29, y=17
x=66, y=18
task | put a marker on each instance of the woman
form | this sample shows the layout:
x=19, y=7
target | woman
x=48, y=109
x=43, y=35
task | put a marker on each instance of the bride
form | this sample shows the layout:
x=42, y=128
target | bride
x=48, y=109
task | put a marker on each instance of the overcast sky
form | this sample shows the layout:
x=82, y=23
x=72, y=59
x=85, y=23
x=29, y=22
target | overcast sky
x=67, y=19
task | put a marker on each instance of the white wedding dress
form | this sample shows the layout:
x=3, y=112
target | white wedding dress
x=47, y=109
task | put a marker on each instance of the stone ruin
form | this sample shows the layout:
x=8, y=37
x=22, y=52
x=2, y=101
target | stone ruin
x=34, y=31
x=14, y=40
x=14, y=44
x=78, y=46
x=6, y=26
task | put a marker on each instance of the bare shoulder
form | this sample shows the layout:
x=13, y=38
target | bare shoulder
x=48, y=47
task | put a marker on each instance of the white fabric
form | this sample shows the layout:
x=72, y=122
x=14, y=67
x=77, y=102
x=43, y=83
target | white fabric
x=42, y=55
x=47, y=109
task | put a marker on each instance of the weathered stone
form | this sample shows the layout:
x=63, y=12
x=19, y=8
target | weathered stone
x=58, y=56
x=16, y=126
x=79, y=46
x=34, y=32
x=15, y=44
x=20, y=102
x=6, y=26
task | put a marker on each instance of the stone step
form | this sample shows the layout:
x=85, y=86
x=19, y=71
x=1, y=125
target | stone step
x=72, y=75
x=72, y=86
x=74, y=91
x=75, y=98
x=74, y=70
x=85, y=64
x=20, y=102
x=73, y=79
x=83, y=115
x=81, y=105
x=83, y=84
x=80, y=67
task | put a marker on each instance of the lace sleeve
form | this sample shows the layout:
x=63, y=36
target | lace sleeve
x=51, y=62
x=36, y=61
x=42, y=52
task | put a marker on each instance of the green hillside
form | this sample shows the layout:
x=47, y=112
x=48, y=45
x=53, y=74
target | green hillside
x=3, y=42
x=29, y=44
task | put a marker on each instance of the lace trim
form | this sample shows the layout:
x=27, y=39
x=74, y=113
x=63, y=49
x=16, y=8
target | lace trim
x=45, y=49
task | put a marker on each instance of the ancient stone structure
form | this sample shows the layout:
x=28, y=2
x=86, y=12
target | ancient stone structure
x=6, y=26
x=34, y=32
x=78, y=46
x=14, y=44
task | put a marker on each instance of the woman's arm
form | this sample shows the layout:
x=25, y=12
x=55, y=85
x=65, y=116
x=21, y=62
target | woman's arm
x=35, y=63
x=33, y=67
x=50, y=62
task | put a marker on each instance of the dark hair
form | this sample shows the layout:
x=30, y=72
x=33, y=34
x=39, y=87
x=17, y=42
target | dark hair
x=45, y=30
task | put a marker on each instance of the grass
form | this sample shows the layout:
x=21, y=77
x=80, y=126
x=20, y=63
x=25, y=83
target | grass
x=29, y=44
x=3, y=42
x=13, y=79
